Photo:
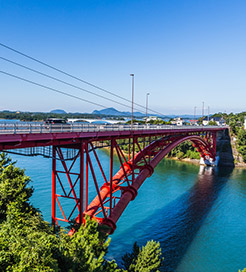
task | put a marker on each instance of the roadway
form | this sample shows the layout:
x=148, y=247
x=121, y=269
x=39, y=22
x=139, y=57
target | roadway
x=22, y=135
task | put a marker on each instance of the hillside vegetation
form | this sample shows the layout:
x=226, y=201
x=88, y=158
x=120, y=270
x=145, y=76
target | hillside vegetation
x=236, y=123
x=28, y=243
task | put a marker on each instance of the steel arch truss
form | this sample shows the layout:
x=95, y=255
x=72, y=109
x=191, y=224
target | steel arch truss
x=113, y=191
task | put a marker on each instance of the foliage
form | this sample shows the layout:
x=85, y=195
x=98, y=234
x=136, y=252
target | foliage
x=13, y=187
x=159, y=122
x=28, y=243
x=241, y=143
x=130, y=258
x=199, y=121
x=41, y=116
x=146, y=259
x=152, y=122
x=212, y=123
x=184, y=150
x=236, y=122
x=135, y=122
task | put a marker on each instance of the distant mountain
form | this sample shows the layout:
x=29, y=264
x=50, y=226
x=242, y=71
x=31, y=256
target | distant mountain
x=114, y=112
x=184, y=116
x=58, y=111
x=109, y=111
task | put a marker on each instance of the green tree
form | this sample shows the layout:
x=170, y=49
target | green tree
x=212, y=123
x=241, y=143
x=28, y=243
x=13, y=186
x=130, y=258
x=26, y=240
x=146, y=259
x=184, y=150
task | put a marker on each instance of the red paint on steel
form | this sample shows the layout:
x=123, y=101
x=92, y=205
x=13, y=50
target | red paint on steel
x=81, y=185
x=13, y=141
x=132, y=172
x=128, y=195
x=96, y=184
x=111, y=174
x=53, y=193
x=68, y=176
x=86, y=177
x=99, y=164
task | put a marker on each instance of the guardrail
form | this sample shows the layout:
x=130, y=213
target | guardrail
x=31, y=128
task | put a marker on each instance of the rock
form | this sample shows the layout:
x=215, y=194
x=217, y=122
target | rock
x=224, y=150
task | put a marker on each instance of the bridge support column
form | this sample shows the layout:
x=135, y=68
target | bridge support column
x=81, y=184
x=114, y=192
x=67, y=179
x=53, y=193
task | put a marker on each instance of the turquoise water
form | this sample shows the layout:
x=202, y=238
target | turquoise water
x=198, y=215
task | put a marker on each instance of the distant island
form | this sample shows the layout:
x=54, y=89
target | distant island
x=60, y=113
x=114, y=112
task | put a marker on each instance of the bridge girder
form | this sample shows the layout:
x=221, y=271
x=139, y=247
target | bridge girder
x=119, y=189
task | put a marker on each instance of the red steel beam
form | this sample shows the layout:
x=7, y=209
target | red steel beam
x=127, y=196
x=136, y=183
x=53, y=196
x=13, y=141
x=204, y=140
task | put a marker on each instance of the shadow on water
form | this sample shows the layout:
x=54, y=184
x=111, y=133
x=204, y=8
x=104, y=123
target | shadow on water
x=176, y=225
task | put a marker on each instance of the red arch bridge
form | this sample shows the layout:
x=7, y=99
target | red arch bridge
x=136, y=152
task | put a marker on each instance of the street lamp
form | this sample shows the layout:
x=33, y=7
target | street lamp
x=132, y=75
x=194, y=114
x=202, y=112
x=147, y=95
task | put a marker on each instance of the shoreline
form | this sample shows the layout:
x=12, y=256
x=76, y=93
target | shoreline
x=197, y=162
x=187, y=160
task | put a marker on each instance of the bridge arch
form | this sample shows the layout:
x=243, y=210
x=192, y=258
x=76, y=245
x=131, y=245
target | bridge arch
x=128, y=182
x=71, y=183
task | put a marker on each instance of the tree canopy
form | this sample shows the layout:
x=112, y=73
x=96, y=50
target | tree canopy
x=28, y=243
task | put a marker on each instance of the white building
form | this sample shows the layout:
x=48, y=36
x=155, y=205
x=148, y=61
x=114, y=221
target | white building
x=152, y=118
x=178, y=121
x=193, y=122
x=219, y=121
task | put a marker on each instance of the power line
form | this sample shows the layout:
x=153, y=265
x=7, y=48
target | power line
x=52, y=89
x=74, y=77
x=64, y=82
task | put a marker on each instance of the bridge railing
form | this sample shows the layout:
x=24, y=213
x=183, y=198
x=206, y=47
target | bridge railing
x=35, y=127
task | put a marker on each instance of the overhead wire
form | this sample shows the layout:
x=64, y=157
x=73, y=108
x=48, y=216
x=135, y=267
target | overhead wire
x=74, y=77
x=52, y=89
x=64, y=82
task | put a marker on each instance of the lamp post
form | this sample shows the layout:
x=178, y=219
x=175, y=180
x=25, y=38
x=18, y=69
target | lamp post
x=202, y=112
x=132, y=75
x=194, y=114
x=147, y=95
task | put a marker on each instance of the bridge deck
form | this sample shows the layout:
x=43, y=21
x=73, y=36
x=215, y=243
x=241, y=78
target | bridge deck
x=113, y=191
x=18, y=135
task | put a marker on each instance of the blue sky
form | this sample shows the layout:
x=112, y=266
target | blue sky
x=181, y=52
